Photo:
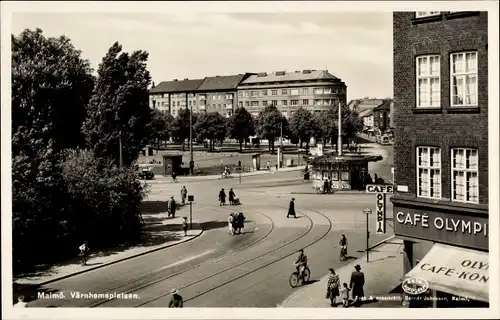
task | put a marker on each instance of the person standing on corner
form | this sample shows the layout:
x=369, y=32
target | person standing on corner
x=176, y=301
x=291, y=209
x=184, y=193
x=185, y=226
x=231, y=197
x=357, y=283
x=332, y=287
x=222, y=197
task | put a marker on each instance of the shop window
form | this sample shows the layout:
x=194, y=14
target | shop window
x=345, y=176
x=335, y=175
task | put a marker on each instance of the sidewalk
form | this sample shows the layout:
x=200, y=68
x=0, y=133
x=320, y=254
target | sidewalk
x=382, y=275
x=234, y=175
x=170, y=235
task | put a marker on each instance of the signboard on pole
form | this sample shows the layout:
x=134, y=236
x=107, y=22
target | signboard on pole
x=380, y=211
x=379, y=188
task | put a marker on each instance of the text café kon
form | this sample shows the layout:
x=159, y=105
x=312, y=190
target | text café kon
x=448, y=224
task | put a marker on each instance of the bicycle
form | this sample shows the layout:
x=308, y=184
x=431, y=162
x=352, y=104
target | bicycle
x=343, y=253
x=296, y=278
x=321, y=190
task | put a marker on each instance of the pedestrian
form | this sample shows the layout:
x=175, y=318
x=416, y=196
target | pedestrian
x=357, y=282
x=176, y=300
x=20, y=302
x=185, y=226
x=230, y=221
x=332, y=287
x=375, y=178
x=171, y=207
x=326, y=185
x=344, y=294
x=174, y=177
x=241, y=222
x=268, y=165
x=291, y=209
x=184, y=193
x=231, y=197
x=84, y=252
x=222, y=197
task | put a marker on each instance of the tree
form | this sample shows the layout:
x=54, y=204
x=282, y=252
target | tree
x=327, y=128
x=211, y=126
x=180, y=126
x=160, y=126
x=303, y=125
x=240, y=126
x=269, y=125
x=51, y=86
x=119, y=106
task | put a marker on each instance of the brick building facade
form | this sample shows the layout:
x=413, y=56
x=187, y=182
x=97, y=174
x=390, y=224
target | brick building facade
x=441, y=139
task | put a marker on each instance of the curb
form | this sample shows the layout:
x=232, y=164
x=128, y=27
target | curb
x=122, y=259
x=280, y=305
x=309, y=193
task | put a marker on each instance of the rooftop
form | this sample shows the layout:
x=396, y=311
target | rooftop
x=366, y=113
x=222, y=82
x=177, y=86
x=283, y=76
x=368, y=104
x=386, y=105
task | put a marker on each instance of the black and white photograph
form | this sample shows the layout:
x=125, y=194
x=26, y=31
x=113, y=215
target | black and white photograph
x=297, y=159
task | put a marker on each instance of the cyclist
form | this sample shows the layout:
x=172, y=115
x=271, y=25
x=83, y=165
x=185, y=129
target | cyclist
x=343, y=245
x=84, y=252
x=301, y=263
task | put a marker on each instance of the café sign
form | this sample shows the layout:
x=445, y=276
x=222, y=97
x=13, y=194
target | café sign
x=451, y=228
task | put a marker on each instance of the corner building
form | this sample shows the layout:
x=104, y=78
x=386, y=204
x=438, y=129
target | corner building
x=315, y=90
x=441, y=155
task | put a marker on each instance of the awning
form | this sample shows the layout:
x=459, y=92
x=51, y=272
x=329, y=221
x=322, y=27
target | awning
x=458, y=271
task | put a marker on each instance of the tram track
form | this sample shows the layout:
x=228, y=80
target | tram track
x=234, y=266
x=227, y=254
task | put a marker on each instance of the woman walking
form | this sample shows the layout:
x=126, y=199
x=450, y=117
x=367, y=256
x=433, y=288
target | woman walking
x=332, y=287
x=222, y=197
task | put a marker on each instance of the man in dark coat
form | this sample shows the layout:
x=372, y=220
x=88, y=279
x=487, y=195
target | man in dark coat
x=231, y=196
x=171, y=207
x=222, y=197
x=176, y=301
x=357, y=283
x=291, y=209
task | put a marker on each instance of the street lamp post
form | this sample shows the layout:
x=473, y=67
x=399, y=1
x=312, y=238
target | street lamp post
x=367, y=212
x=280, y=162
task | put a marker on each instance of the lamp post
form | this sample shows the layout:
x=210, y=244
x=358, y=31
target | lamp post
x=120, y=146
x=281, y=145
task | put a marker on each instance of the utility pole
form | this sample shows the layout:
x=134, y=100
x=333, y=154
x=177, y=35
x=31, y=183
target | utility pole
x=191, y=158
x=339, y=138
x=120, y=146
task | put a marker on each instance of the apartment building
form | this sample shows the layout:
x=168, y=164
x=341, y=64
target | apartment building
x=315, y=90
x=171, y=96
x=441, y=154
x=219, y=93
x=382, y=116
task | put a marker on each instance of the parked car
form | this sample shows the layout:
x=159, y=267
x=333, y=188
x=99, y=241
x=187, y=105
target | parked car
x=146, y=173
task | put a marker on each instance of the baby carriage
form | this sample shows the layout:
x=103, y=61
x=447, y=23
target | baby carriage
x=236, y=201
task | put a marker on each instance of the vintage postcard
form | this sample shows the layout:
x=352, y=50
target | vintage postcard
x=256, y=160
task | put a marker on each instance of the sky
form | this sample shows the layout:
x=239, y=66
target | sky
x=354, y=46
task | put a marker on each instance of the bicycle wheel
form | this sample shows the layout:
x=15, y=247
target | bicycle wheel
x=318, y=191
x=294, y=280
x=307, y=276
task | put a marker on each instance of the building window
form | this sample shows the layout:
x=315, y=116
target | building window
x=318, y=102
x=284, y=102
x=274, y=92
x=240, y=104
x=284, y=91
x=463, y=79
x=429, y=172
x=327, y=90
x=423, y=14
x=247, y=93
x=254, y=93
x=264, y=92
x=247, y=103
x=318, y=90
x=254, y=103
x=264, y=103
x=294, y=92
x=305, y=102
x=428, y=82
x=178, y=103
x=464, y=183
x=240, y=94
x=294, y=102
x=274, y=102
x=305, y=90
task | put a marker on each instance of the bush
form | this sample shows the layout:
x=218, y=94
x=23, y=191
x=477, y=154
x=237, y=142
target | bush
x=93, y=200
